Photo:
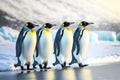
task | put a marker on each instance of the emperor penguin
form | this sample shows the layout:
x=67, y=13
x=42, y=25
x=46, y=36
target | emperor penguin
x=80, y=43
x=63, y=44
x=18, y=45
x=25, y=45
x=44, y=45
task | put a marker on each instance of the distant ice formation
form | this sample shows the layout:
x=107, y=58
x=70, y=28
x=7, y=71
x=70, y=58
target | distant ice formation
x=118, y=36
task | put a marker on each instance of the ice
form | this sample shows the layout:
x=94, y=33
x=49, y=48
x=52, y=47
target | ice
x=118, y=36
x=106, y=35
x=9, y=34
x=93, y=37
x=1, y=39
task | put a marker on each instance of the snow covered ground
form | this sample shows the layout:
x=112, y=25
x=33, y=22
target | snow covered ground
x=100, y=50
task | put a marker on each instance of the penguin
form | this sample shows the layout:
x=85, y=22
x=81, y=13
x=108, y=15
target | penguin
x=63, y=44
x=18, y=46
x=44, y=45
x=80, y=43
x=25, y=45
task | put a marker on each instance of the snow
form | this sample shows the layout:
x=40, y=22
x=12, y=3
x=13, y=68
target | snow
x=100, y=50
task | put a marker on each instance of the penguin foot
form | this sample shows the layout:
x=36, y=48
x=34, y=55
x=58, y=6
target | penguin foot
x=40, y=66
x=28, y=67
x=16, y=65
x=45, y=66
x=56, y=62
x=22, y=68
x=82, y=65
x=34, y=64
x=73, y=61
x=64, y=65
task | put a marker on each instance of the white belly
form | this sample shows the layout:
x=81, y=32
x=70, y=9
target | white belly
x=84, y=43
x=28, y=47
x=66, y=44
x=45, y=46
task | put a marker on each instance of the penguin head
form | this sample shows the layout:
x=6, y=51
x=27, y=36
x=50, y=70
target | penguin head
x=67, y=24
x=48, y=25
x=84, y=23
x=30, y=25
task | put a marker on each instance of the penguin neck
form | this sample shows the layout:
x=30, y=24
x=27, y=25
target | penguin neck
x=42, y=28
x=26, y=28
x=80, y=27
x=86, y=28
x=32, y=30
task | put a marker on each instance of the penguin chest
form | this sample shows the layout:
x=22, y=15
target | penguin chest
x=45, y=44
x=66, y=42
x=85, y=37
x=29, y=44
x=84, y=43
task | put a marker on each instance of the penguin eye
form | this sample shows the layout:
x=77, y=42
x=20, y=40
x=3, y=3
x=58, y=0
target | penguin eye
x=63, y=24
x=44, y=25
x=81, y=24
x=26, y=24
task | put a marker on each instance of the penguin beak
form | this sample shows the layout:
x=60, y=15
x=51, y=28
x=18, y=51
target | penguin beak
x=91, y=23
x=72, y=22
x=37, y=25
x=54, y=25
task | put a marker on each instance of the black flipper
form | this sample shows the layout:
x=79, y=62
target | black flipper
x=57, y=40
x=57, y=61
x=35, y=62
x=76, y=44
x=19, y=42
x=19, y=62
x=39, y=32
x=74, y=60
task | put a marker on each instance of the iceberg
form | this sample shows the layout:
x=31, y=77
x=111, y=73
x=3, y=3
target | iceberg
x=118, y=36
x=106, y=35
x=93, y=37
x=7, y=33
